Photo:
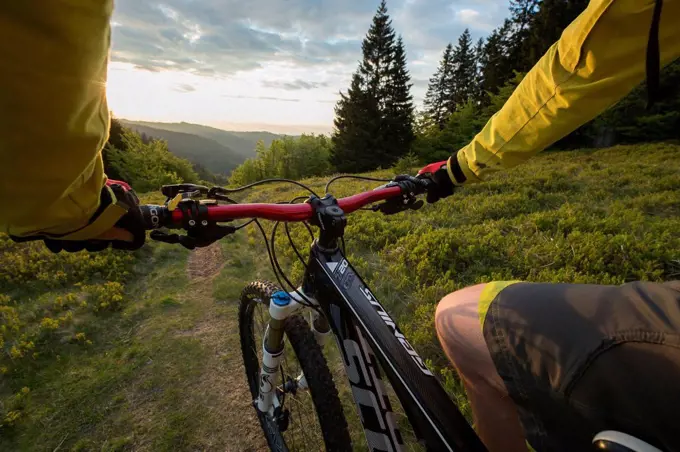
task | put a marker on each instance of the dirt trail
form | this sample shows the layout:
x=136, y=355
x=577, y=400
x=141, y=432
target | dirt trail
x=223, y=376
x=205, y=262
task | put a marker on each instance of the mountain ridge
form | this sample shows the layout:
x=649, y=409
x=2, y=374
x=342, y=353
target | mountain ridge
x=218, y=150
x=242, y=143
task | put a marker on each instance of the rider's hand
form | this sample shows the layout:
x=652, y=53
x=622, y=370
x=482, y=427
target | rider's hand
x=442, y=185
x=127, y=234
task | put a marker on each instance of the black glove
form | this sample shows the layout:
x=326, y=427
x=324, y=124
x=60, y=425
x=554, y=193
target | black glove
x=442, y=185
x=132, y=221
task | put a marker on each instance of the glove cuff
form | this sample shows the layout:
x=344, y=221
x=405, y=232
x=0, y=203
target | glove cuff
x=456, y=173
x=105, y=217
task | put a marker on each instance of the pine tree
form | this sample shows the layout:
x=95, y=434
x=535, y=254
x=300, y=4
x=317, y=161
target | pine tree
x=522, y=15
x=496, y=67
x=116, y=141
x=377, y=47
x=435, y=109
x=552, y=17
x=478, y=88
x=356, y=128
x=523, y=12
x=374, y=120
x=398, y=112
x=460, y=83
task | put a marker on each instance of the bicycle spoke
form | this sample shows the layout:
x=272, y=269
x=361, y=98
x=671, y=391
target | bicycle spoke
x=296, y=409
x=301, y=413
x=304, y=424
x=292, y=434
x=309, y=413
x=257, y=343
x=302, y=427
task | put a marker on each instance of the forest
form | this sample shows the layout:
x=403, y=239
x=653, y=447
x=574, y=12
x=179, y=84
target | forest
x=377, y=122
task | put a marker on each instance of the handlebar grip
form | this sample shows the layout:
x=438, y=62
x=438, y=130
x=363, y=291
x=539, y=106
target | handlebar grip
x=155, y=217
x=413, y=184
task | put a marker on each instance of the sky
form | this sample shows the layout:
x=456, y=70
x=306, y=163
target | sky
x=275, y=65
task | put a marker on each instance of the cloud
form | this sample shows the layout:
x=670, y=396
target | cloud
x=184, y=88
x=291, y=45
x=218, y=37
x=276, y=99
x=420, y=82
x=473, y=18
x=294, y=85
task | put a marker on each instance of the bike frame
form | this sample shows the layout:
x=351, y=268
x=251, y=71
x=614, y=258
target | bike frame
x=368, y=339
x=367, y=336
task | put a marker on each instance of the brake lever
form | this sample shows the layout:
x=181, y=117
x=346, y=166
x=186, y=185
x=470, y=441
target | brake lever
x=195, y=238
x=397, y=205
x=410, y=187
x=170, y=191
x=220, y=194
x=201, y=231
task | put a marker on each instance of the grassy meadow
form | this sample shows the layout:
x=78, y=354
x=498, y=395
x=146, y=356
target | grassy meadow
x=129, y=351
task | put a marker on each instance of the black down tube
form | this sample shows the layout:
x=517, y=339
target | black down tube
x=365, y=331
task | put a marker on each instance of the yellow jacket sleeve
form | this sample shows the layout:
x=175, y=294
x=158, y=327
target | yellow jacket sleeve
x=55, y=118
x=598, y=59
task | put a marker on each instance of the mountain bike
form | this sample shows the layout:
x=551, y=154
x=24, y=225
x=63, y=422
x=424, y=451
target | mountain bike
x=294, y=395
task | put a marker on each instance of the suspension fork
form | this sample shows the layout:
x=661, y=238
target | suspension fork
x=320, y=327
x=281, y=306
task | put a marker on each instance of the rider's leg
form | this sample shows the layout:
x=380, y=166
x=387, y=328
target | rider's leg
x=575, y=359
x=459, y=330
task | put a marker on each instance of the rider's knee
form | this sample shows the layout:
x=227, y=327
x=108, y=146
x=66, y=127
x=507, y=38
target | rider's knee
x=458, y=306
x=458, y=327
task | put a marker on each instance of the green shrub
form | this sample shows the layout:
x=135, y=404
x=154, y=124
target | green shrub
x=406, y=164
x=287, y=157
x=46, y=295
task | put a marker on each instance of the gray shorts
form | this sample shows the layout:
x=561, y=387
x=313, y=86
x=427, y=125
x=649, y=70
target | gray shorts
x=579, y=359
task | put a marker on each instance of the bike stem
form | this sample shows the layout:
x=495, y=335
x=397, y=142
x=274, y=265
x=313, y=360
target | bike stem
x=330, y=219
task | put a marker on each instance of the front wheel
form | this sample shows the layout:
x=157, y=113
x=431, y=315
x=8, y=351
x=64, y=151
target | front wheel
x=310, y=414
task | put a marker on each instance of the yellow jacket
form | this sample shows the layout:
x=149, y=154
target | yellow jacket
x=598, y=59
x=54, y=117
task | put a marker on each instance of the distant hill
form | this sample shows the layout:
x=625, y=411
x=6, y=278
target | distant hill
x=254, y=137
x=214, y=156
x=242, y=143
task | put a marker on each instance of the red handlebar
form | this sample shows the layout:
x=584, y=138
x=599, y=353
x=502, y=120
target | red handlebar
x=289, y=212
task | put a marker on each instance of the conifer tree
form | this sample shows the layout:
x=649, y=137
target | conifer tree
x=495, y=65
x=435, y=108
x=355, y=128
x=460, y=84
x=374, y=119
x=478, y=87
x=398, y=112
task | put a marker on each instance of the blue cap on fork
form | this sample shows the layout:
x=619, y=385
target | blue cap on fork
x=281, y=298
